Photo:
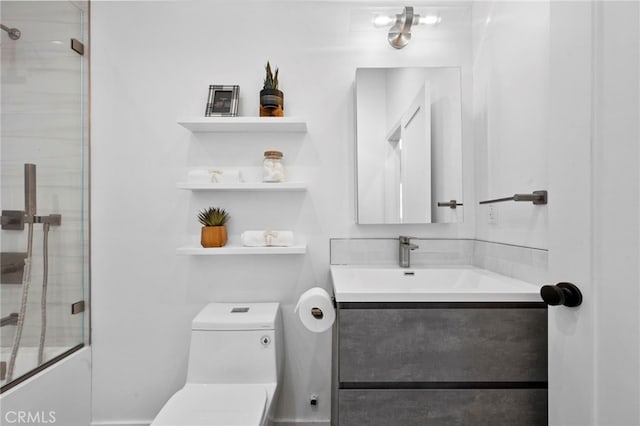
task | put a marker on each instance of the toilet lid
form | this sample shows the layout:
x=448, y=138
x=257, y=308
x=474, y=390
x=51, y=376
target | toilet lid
x=214, y=405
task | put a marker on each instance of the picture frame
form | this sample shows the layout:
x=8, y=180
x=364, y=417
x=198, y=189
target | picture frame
x=222, y=101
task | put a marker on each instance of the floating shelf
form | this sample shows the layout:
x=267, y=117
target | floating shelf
x=241, y=250
x=244, y=186
x=244, y=124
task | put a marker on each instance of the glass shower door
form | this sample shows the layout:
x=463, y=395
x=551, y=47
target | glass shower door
x=43, y=185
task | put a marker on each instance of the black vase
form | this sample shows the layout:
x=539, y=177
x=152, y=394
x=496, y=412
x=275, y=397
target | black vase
x=271, y=98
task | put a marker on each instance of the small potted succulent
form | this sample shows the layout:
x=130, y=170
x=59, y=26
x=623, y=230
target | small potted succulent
x=271, y=99
x=214, y=231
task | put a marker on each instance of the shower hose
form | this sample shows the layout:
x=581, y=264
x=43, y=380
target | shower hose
x=43, y=298
x=26, y=281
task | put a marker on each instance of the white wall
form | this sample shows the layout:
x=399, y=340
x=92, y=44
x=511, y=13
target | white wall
x=512, y=98
x=510, y=117
x=616, y=217
x=155, y=66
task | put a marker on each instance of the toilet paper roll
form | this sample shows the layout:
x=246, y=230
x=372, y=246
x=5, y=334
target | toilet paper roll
x=315, y=309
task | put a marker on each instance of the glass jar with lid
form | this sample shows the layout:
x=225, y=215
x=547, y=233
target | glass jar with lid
x=273, y=169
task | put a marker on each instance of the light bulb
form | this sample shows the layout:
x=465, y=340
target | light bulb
x=432, y=19
x=382, y=21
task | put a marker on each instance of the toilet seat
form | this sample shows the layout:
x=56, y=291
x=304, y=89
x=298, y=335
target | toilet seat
x=214, y=405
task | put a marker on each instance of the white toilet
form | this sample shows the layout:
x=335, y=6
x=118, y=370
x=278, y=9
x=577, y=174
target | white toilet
x=235, y=363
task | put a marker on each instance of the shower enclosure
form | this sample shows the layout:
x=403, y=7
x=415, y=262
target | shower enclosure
x=44, y=185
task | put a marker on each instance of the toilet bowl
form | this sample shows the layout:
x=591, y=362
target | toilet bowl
x=234, y=368
x=215, y=405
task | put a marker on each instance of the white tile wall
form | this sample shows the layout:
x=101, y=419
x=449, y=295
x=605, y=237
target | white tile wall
x=525, y=263
x=42, y=123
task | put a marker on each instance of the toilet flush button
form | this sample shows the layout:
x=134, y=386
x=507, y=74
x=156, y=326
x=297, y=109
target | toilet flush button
x=265, y=340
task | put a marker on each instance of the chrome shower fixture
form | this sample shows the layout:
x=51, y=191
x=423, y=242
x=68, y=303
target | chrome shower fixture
x=16, y=219
x=14, y=33
x=400, y=32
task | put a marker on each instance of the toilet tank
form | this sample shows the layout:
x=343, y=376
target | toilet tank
x=236, y=343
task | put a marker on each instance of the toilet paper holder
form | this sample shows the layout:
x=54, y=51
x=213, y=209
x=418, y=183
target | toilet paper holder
x=315, y=309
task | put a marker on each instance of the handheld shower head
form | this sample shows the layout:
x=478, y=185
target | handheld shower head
x=30, y=189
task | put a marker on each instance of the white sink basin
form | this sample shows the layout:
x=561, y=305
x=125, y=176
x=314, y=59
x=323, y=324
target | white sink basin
x=428, y=284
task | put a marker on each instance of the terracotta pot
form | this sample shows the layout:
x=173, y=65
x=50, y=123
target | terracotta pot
x=271, y=112
x=213, y=236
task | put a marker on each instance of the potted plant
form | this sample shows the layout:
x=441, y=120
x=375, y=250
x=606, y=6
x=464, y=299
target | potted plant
x=271, y=99
x=214, y=231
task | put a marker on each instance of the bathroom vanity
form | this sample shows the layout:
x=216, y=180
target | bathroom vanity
x=438, y=346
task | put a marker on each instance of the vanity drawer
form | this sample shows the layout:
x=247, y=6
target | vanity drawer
x=433, y=344
x=419, y=407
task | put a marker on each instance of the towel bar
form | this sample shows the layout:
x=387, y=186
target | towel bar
x=537, y=197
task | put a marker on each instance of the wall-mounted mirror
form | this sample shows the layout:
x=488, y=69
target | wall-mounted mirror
x=408, y=145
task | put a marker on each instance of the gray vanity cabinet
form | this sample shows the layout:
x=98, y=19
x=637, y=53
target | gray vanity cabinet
x=411, y=364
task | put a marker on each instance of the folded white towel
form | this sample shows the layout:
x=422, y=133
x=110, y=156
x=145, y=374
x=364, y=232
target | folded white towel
x=267, y=238
x=199, y=176
x=226, y=175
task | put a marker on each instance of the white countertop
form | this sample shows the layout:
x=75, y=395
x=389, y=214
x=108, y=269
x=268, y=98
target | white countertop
x=358, y=283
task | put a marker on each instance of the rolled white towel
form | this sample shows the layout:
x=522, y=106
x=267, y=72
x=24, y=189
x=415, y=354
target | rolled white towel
x=267, y=238
x=199, y=176
x=226, y=175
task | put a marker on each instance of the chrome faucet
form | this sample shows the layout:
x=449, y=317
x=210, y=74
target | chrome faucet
x=404, y=250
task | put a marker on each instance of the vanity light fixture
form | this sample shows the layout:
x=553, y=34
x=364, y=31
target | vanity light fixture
x=381, y=21
x=432, y=19
x=400, y=32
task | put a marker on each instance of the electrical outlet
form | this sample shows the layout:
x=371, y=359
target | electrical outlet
x=492, y=214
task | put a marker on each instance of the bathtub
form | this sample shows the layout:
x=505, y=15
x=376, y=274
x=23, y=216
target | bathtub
x=60, y=394
x=27, y=358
